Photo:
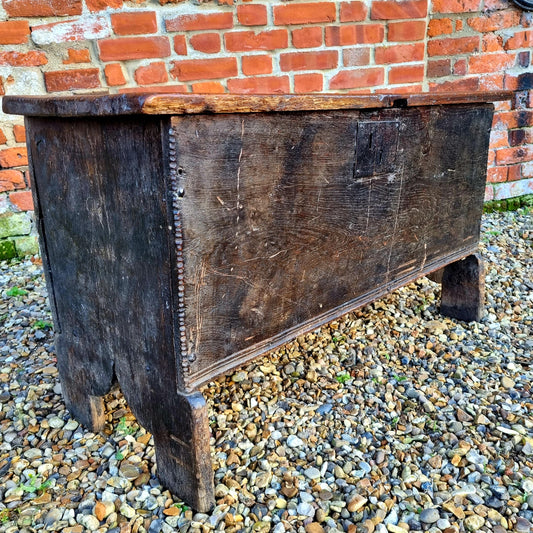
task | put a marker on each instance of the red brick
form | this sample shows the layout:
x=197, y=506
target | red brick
x=498, y=20
x=180, y=45
x=511, y=82
x=208, y=87
x=252, y=15
x=168, y=89
x=439, y=68
x=307, y=37
x=513, y=119
x=242, y=41
x=42, y=8
x=521, y=39
x=453, y=46
x=394, y=9
x=255, y=65
x=260, y=85
x=134, y=23
x=77, y=56
x=491, y=82
x=208, y=43
x=514, y=173
x=22, y=200
x=23, y=59
x=308, y=60
x=515, y=137
x=82, y=29
x=347, y=35
x=133, y=48
x=491, y=43
x=14, y=157
x=490, y=63
x=504, y=105
x=67, y=80
x=356, y=57
x=499, y=139
x=460, y=67
x=114, y=74
x=150, y=74
x=406, y=74
x=521, y=136
x=306, y=13
x=353, y=11
x=308, y=83
x=3, y=139
x=460, y=85
x=20, y=133
x=11, y=180
x=204, y=69
x=353, y=79
x=497, y=174
x=413, y=30
x=440, y=27
x=14, y=32
x=455, y=6
x=399, y=54
x=509, y=156
x=100, y=5
x=211, y=21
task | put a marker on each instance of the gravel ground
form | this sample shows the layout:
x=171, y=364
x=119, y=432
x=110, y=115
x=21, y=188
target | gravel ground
x=391, y=419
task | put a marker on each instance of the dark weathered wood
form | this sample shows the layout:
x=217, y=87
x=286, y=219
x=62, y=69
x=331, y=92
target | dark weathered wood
x=436, y=276
x=178, y=248
x=183, y=104
x=463, y=289
x=105, y=217
x=182, y=450
x=292, y=219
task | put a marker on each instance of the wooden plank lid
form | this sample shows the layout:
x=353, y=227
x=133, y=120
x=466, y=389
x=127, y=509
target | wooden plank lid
x=183, y=104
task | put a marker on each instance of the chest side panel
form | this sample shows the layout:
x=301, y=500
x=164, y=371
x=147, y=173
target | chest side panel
x=290, y=219
x=103, y=209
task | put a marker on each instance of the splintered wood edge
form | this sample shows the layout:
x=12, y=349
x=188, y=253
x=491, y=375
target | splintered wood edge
x=230, y=103
x=184, y=104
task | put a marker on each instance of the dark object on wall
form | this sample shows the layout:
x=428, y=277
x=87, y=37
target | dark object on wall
x=524, y=4
x=183, y=236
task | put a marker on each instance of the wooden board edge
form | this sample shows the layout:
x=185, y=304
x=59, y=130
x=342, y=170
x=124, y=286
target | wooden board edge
x=229, y=103
x=242, y=357
x=183, y=104
x=74, y=106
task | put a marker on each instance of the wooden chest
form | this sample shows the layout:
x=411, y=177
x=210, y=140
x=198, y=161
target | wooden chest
x=183, y=236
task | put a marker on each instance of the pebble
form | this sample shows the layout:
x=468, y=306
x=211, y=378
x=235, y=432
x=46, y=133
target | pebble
x=314, y=527
x=312, y=473
x=294, y=442
x=356, y=503
x=432, y=431
x=430, y=515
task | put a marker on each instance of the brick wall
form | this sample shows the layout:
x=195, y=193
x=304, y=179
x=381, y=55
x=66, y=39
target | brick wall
x=265, y=46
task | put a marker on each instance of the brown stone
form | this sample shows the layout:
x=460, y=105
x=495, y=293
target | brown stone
x=314, y=527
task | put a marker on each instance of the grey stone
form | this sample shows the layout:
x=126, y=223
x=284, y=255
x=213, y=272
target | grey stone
x=430, y=515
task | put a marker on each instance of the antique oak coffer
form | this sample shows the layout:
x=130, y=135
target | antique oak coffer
x=184, y=235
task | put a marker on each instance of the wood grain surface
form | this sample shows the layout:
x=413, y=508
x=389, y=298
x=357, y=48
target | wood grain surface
x=291, y=219
x=105, y=218
x=179, y=104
